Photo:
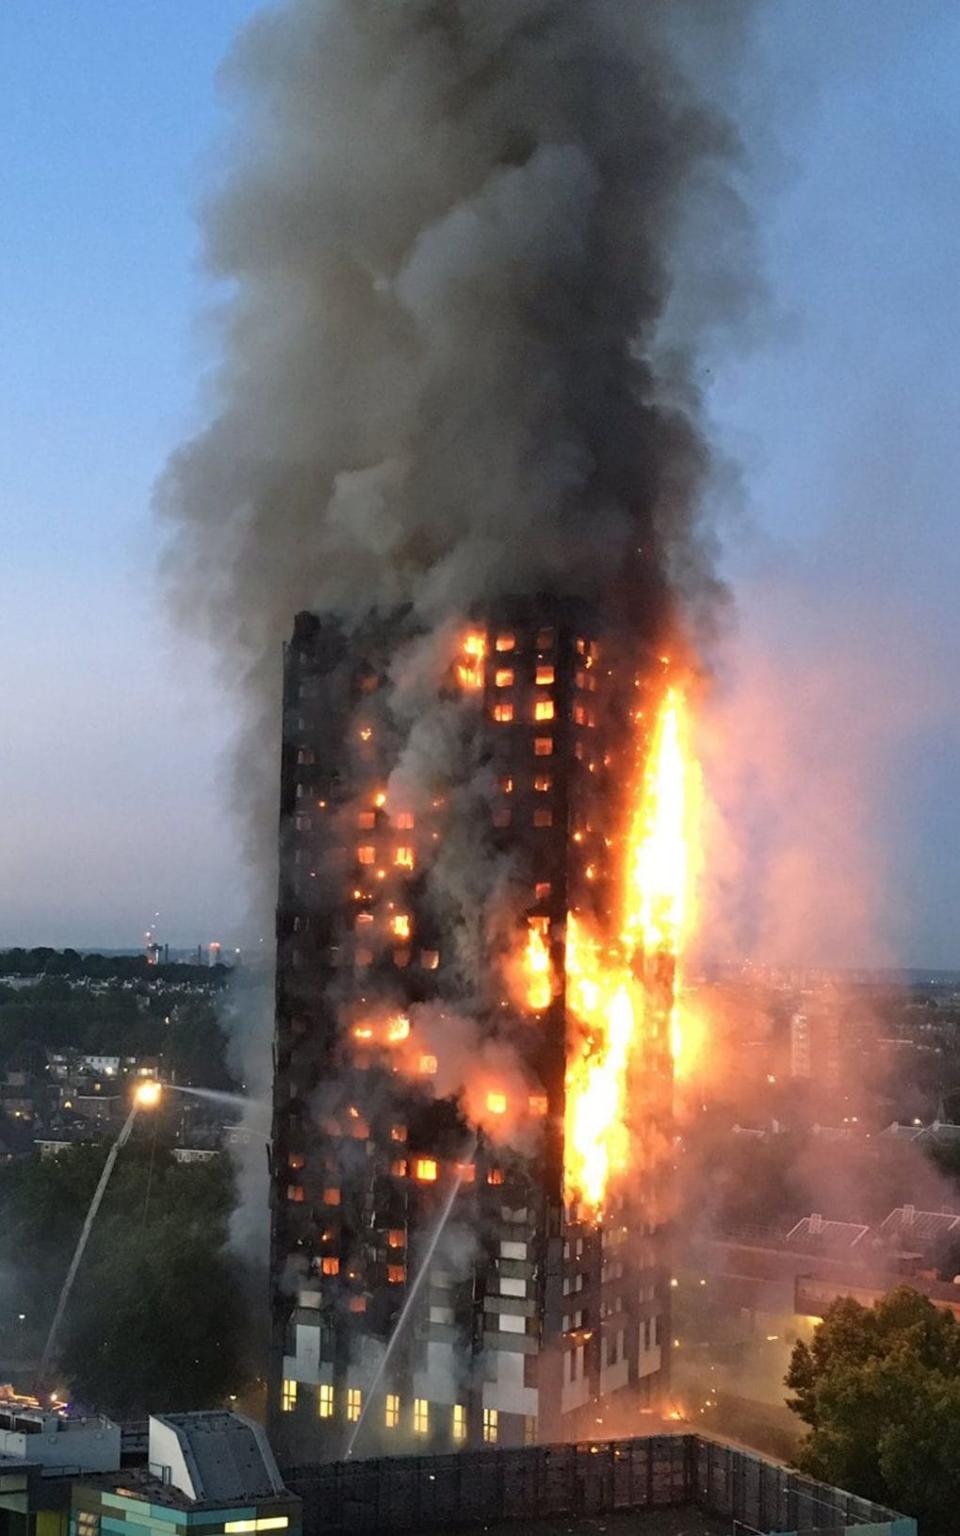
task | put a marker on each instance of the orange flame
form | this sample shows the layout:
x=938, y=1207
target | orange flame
x=618, y=1013
x=538, y=971
x=470, y=666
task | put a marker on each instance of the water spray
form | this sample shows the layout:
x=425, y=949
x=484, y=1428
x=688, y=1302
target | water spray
x=412, y=1294
x=146, y=1095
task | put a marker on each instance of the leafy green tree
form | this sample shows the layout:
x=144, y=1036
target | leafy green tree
x=879, y=1388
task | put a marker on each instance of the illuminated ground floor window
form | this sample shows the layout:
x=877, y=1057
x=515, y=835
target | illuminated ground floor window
x=354, y=1403
x=391, y=1410
x=289, y=1399
x=325, y=1402
x=458, y=1427
x=421, y=1416
x=491, y=1426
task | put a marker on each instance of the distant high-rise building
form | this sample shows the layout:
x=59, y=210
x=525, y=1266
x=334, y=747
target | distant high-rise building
x=411, y=892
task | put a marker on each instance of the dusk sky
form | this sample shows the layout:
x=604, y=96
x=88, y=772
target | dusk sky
x=836, y=717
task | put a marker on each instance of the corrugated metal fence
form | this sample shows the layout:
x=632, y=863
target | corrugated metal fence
x=423, y=1493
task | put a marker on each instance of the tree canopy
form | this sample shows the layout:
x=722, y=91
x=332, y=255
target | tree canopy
x=157, y=1316
x=880, y=1389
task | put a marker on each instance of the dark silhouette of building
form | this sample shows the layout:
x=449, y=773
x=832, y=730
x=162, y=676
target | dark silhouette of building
x=416, y=870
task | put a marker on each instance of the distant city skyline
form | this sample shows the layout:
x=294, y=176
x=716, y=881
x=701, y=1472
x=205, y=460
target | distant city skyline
x=115, y=798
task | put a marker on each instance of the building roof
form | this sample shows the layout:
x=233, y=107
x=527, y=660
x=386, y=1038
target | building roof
x=911, y=1225
x=227, y=1456
x=814, y=1235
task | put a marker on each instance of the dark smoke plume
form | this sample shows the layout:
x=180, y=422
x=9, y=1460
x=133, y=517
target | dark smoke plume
x=475, y=249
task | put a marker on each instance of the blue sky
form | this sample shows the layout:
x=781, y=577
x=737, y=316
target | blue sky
x=844, y=421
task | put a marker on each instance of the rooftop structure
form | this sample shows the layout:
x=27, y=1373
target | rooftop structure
x=668, y=1485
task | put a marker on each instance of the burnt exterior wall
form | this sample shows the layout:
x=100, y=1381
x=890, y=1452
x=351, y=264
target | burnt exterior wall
x=540, y=1316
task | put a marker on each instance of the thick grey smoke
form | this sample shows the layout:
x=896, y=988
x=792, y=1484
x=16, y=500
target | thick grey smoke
x=474, y=249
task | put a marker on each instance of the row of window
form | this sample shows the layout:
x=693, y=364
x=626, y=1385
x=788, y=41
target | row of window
x=352, y=1402
x=425, y=1169
x=504, y=711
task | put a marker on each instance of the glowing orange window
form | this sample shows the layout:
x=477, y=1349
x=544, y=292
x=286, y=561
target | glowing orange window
x=543, y=709
x=404, y=858
x=506, y=642
x=401, y=926
x=495, y=1176
x=367, y=819
x=543, y=889
x=506, y=785
x=331, y=1196
x=404, y=820
x=543, y=783
x=538, y=1103
x=543, y=818
x=396, y=1274
x=425, y=1169
x=398, y=1133
x=503, y=677
x=503, y=713
x=430, y=959
x=366, y=854
x=399, y=1167
x=579, y=714
x=358, y=1303
x=330, y=1266
x=395, y=1238
x=497, y=1103
x=545, y=676
x=428, y=1066
x=363, y=920
x=543, y=746
x=295, y=1193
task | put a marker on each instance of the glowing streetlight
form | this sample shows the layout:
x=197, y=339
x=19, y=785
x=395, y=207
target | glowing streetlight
x=147, y=1095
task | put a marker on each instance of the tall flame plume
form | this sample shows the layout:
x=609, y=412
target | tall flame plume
x=624, y=995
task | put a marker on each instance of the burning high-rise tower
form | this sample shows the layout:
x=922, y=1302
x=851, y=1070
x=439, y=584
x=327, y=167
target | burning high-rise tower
x=464, y=1016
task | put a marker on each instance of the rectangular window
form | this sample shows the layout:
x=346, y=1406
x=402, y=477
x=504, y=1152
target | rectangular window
x=366, y=820
x=325, y=1401
x=391, y=1410
x=289, y=1400
x=428, y=1068
x=543, y=818
x=399, y=1167
x=543, y=889
x=543, y=709
x=421, y=1416
x=579, y=714
x=543, y=783
x=545, y=676
x=395, y=1238
x=503, y=713
x=354, y=1404
x=295, y=1193
x=503, y=677
x=398, y=1133
x=491, y=1426
x=404, y=858
x=505, y=642
x=366, y=854
x=530, y=1430
x=426, y=1169
x=404, y=821
x=495, y=1176
x=506, y=785
x=396, y=1274
x=330, y=1266
x=543, y=746
x=430, y=959
x=458, y=1425
x=331, y=1196
x=401, y=926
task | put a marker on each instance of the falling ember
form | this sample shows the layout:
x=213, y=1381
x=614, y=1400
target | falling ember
x=470, y=667
x=624, y=996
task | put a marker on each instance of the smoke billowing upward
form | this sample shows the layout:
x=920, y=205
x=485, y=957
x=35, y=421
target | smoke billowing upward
x=459, y=355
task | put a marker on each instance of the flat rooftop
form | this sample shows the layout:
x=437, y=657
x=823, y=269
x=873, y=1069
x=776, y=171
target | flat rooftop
x=687, y=1521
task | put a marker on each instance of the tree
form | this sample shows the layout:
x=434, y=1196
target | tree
x=880, y=1389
